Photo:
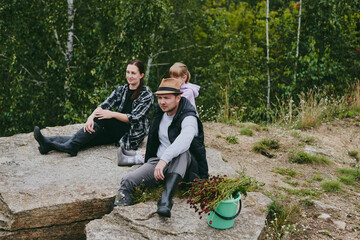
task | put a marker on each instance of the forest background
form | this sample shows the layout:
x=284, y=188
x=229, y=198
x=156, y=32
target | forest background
x=60, y=59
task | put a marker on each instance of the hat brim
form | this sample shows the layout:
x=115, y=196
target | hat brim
x=167, y=92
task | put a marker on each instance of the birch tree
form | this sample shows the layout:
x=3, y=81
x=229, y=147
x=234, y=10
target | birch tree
x=297, y=41
x=268, y=60
x=70, y=39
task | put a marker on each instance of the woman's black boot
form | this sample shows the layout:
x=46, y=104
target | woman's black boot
x=77, y=141
x=46, y=142
x=165, y=203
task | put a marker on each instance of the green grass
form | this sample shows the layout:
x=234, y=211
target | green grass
x=347, y=180
x=353, y=153
x=282, y=219
x=246, y=131
x=292, y=183
x=306, y=158
x=143, y=194
x=306, y=202
x=304, y=138
x=352, y=172
x=231, y=139
x=266, y=144
x=302, y=192
x=285, y=171
x=331, y=186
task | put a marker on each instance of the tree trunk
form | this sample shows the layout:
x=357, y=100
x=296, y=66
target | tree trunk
x=148, y=66
x=297, y=43
x=268, y=60
x=70, y=40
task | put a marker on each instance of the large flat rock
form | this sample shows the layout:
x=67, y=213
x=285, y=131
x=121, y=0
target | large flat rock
x=53, y=196
x=141, y=222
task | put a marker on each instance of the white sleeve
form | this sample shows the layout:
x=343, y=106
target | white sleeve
x=189, y=129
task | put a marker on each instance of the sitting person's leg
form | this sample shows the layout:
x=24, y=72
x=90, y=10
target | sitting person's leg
x=142, y=175
x=176, y=172
x=45, y=143
x=107, y=131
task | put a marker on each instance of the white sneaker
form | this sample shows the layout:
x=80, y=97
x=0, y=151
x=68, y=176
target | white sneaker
x=129, y=158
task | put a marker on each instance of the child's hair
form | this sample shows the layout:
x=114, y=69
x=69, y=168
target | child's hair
x=178, y=70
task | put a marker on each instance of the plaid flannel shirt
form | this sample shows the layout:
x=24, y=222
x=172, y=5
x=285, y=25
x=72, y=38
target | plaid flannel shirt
x=138, y=118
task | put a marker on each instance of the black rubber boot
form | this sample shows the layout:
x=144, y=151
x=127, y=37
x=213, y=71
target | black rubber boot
x=122, y=198
x=165, y=203
x=77, y=141
x=46, y=142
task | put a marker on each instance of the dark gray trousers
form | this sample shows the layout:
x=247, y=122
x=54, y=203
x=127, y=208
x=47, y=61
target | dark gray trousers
x=145, y=174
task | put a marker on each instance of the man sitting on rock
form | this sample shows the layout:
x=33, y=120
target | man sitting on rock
x=175, y=149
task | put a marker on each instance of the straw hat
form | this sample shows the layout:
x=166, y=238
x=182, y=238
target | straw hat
x=169, y=86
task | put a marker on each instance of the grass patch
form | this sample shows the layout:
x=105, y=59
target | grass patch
x=354, y=154
x=144, y=194
x=285, y=171
x=265, y=145
x=331, y=186
x=292, y=183
x=347, y=180
x=302, y=192
x=317, y=178
x=306, y=202
x=351, y=173
x=231, y=139
x=303, y=138
x=306, y=158
x=246, y=131
x=281, y=220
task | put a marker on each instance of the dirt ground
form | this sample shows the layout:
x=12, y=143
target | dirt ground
x=320, y=214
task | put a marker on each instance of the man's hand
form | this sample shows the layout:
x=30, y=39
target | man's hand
x=159, y=170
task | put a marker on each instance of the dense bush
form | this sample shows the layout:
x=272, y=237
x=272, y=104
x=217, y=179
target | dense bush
x=222, y=42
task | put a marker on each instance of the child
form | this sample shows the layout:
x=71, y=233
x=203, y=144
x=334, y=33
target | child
x=181, y=72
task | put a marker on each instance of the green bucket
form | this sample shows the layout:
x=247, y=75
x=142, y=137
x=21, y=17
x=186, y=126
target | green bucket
x=223, y=217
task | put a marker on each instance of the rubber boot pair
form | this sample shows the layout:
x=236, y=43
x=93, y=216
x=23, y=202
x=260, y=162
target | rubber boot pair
x=69, y=145
x=46, y=143
x=165, y=204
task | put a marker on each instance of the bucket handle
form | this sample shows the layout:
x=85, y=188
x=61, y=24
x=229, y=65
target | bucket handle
x=229, y=218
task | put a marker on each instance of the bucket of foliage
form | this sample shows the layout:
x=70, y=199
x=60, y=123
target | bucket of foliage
x=219, y=197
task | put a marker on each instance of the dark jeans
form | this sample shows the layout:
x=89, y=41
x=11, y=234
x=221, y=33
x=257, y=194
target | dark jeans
x=112, y=131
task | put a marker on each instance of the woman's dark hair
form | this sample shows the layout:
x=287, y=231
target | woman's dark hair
x=140, y=65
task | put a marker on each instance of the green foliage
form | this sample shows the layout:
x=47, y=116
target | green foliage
x=331, y=186
x=246, y=131
x=264, y=145
x=231, y=139
x=222, y=43
x=306, y=158
x=354, y=154
x=281, y=220
x=306, y=202
x=352, y=173
x=286, y=171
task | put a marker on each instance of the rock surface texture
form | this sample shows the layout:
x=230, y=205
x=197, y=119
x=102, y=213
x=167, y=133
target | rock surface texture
x=54, y=196
x=142, y=222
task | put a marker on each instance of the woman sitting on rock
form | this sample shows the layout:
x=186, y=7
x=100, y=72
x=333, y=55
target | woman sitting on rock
x=122, y=118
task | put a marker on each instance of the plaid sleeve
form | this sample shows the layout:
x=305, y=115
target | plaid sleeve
x=114, y=99
x=141, y=106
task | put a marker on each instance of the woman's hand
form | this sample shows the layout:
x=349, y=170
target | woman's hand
x=89, y=125
x=159, y=170
x=103, y=114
